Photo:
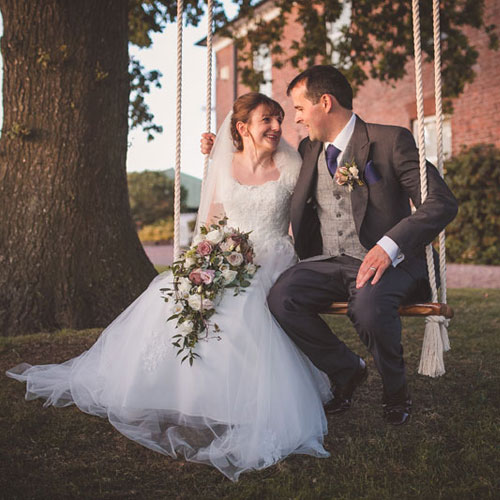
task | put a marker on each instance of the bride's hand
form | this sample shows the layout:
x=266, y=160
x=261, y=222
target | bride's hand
x=206, y=143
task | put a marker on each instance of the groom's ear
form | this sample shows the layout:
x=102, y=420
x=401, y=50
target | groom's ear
x=328, y=102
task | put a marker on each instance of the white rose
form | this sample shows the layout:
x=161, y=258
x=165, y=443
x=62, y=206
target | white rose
x=190, y=261
x=186, y=327
x=178, y=307
x=224, y=267
x=229, y=276
x=215, y=236
x=184, y=285
x=235, y=258
x=208, y=304
x=354, y=172
x=194, y=302
x=198, y=239
x=250, y=269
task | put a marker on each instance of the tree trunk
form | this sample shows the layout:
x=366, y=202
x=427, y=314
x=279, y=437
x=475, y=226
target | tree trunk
x=69, y=254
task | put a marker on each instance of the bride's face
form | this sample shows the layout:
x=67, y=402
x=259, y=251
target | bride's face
x=263, y=130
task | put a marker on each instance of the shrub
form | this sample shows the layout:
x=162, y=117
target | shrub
x=192, y=225
x=474, y=177
x=160, y=232
x=151, y=196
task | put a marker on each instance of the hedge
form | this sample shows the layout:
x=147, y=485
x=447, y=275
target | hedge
x=474, y=177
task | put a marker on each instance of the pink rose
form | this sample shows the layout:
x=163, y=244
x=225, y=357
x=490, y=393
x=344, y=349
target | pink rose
x=341, y=175
x=225, y=246
x=235, y=258
x=195, y=276
x=204, y=248
x=207, y=276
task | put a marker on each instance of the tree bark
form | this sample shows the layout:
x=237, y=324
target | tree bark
x=69, y=253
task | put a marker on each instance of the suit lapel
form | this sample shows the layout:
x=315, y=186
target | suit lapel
x=305, y=183
x=358, y=150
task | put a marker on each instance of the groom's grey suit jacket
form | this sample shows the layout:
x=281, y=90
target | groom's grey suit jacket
x=388, y=163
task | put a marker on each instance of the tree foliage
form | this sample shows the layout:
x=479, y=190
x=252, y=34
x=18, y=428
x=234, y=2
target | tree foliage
x=151, y=196
x=474, y=177
x=378, y=42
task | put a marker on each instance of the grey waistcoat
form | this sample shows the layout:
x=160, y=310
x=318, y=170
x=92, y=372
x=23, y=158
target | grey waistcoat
x=335, y=216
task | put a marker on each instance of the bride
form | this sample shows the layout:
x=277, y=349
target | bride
x=252, y=398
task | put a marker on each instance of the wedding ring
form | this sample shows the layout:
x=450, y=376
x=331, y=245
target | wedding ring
x=373, y=268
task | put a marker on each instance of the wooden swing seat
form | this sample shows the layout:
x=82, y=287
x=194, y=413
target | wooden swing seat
x=424, y=309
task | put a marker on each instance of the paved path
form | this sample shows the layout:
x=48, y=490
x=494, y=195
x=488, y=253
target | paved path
x=459, y=275
x=160, y=255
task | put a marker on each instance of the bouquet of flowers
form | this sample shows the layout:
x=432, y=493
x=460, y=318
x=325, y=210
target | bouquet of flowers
x=220, y=257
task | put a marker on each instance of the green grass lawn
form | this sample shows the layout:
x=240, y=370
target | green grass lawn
x=449, y=450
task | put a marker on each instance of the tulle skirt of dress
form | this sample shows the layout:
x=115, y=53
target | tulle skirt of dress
x=252, y=399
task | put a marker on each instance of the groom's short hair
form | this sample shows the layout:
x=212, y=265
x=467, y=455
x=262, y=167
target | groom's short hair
x=324, y=79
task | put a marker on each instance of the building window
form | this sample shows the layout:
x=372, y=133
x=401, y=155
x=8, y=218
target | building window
x=224, y=73
x=262, y=62
x=430, y=134
x=334, y=30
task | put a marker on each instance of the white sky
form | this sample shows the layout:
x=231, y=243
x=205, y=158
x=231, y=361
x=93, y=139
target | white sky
x=159, y=154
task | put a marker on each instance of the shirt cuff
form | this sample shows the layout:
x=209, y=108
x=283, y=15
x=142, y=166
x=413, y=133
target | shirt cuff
x=392, y=250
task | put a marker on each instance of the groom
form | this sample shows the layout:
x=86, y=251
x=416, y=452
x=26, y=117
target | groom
x=357, y=238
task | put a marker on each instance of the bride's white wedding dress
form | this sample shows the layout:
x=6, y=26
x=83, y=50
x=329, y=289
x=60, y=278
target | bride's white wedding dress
x=252, y=399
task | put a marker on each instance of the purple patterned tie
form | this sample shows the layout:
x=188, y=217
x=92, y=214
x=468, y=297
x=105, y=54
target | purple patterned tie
x=331, y=158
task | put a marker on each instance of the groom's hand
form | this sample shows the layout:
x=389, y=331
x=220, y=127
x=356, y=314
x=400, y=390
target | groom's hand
x=373, y=266
x=207, y=143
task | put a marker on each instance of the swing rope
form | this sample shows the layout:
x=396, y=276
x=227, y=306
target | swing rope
x=209, y=83
x=177, y=176
x=435, y=336
x=439, y=128
x=443, y=324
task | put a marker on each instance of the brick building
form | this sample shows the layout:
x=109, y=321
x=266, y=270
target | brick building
x=476, y=116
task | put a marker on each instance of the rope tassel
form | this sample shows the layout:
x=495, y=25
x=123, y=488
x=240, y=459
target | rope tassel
x=431, y=359
x=443, y=327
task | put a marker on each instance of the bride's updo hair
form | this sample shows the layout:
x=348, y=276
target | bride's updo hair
x=243, y=107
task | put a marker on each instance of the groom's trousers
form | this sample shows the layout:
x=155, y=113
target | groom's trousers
x=309, y=287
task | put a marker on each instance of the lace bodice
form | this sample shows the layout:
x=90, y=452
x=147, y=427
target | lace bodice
x=264, y=209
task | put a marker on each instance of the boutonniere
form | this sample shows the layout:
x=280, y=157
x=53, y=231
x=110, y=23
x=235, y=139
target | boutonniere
x=348, y=174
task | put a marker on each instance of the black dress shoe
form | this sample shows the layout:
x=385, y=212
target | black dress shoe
x=397, y=408
x=342, y=395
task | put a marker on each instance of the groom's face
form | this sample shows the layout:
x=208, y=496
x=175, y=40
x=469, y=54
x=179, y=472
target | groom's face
x=312, y=116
